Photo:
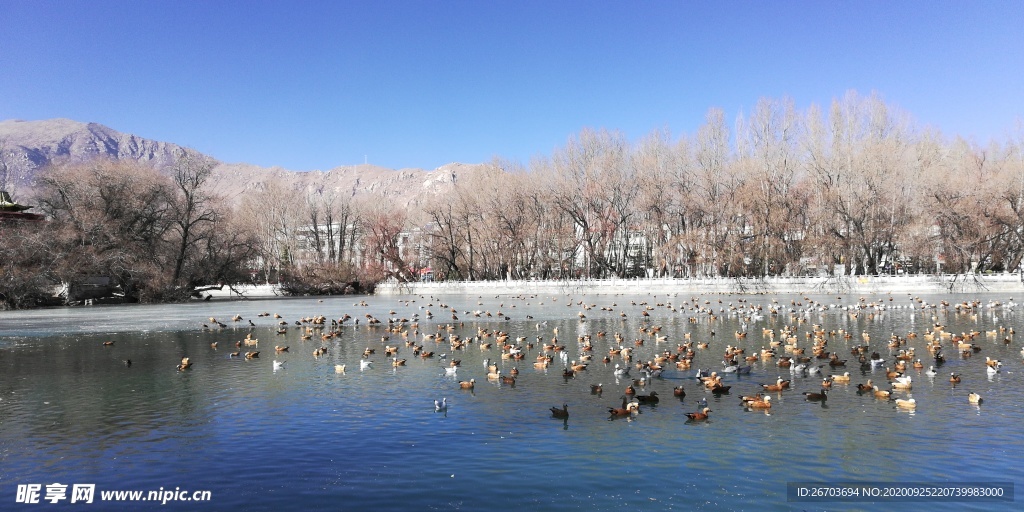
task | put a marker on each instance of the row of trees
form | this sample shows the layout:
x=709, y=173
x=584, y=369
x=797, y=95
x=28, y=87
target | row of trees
x=156, y=236
x=162, y=235
x=855, y=187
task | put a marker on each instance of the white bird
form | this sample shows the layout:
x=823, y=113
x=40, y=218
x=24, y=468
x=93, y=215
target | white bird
x=278, y=365
x=621, y=371
x=992, y=370
x=909, y=403
x=364, y=364
x=441, y=406
x=814, y=370
x=903, y=382
x=931, y=371
x=450, y=370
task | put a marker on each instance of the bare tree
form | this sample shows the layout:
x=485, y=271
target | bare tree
x=661, y=174
x=595, y=188
x=110, y=219
x=720, y=221
x=384, y=227
x=270, y=210
x=28, y=264
x=1012, y=215
x=447, y=239
x=4, y=166
x=194, y=213
x=772, y=224
x=864, y=181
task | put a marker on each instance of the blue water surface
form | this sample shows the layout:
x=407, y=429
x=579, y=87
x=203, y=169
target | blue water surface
x=306, y=437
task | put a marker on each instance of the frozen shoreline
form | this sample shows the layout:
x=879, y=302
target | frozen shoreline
x=948, y=283
x=247, y=291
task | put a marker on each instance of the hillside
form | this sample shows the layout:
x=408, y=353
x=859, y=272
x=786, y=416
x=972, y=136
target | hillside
x=27, y=147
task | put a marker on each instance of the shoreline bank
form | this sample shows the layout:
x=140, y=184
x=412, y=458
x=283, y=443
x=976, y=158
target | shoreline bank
x=246, y=291
x=946, y=283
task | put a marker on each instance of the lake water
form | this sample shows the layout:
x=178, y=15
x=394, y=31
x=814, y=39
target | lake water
x=305, y=437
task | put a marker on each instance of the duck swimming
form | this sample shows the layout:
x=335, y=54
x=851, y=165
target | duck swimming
x=698, y=416
x=750, y=398
x=560, y=413
x=842, y=379
x=816, y=397
x=762, y=403
x=778, y=386
x=621, y=412
x=648, y=399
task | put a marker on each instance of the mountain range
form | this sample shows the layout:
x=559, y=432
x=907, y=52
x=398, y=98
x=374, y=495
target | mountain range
x=27, y=147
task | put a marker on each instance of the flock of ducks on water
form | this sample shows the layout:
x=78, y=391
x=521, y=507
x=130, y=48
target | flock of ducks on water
x=803, y=350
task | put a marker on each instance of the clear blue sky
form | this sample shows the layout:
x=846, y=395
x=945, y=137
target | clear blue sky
x=313, y=85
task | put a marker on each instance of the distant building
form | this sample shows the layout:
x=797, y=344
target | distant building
x=11, y=211
x=351, y=248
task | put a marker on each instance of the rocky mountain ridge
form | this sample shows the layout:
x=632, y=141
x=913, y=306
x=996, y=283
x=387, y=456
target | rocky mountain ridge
x=28, y=147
